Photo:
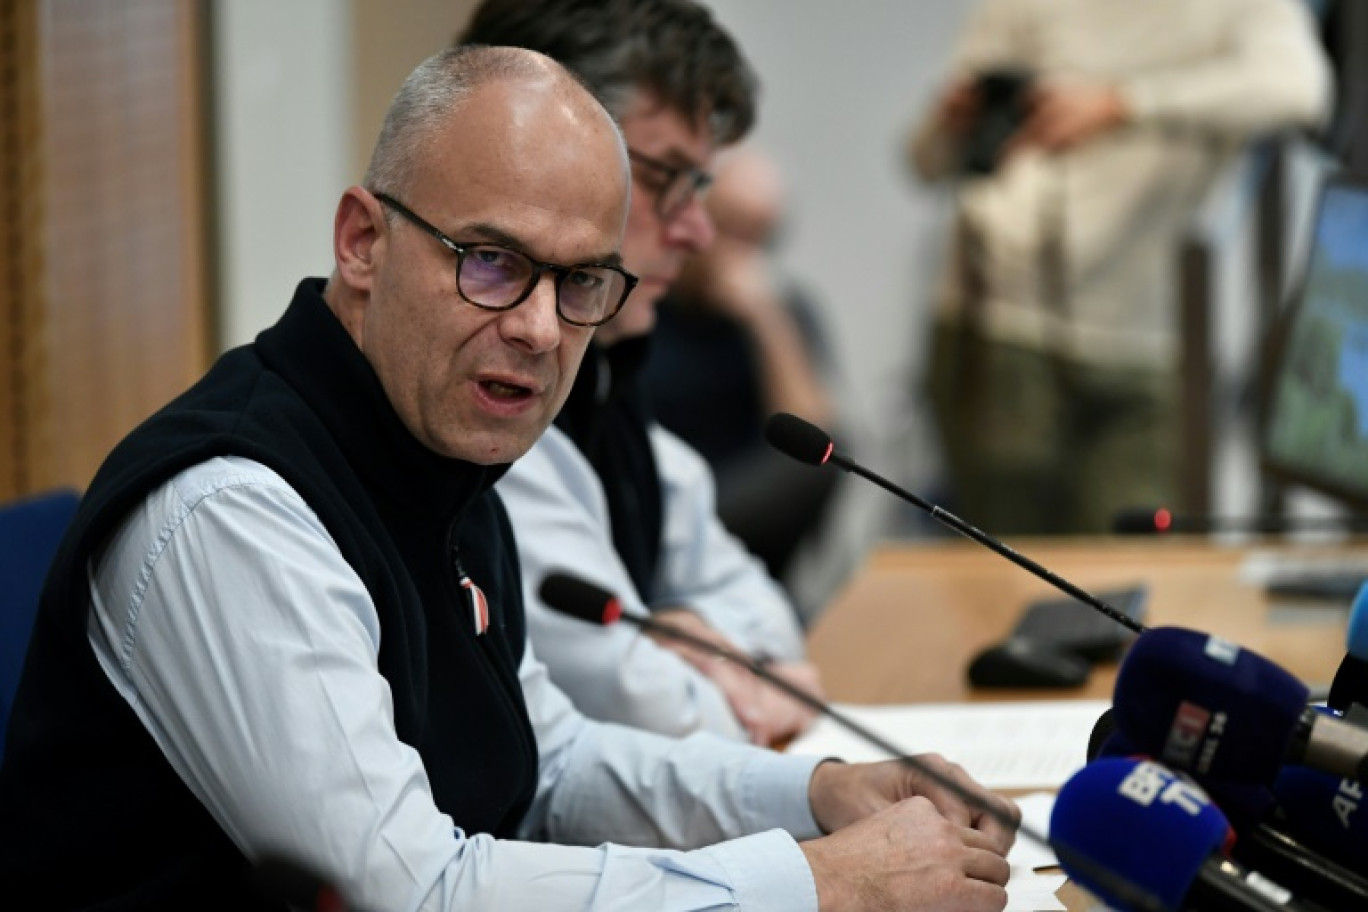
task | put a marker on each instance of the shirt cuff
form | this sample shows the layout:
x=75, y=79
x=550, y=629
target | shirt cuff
x=768, y=872
x=775, y=787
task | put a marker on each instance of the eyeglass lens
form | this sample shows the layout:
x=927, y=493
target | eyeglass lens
x=681, y=190
x=497, y=277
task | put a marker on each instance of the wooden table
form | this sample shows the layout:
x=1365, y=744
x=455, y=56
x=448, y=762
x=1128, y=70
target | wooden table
x=906, y=626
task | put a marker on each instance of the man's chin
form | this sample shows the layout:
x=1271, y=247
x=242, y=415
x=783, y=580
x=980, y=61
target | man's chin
x=489, y=446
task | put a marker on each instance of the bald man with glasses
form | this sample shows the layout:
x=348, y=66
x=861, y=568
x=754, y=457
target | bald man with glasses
x=285, y=624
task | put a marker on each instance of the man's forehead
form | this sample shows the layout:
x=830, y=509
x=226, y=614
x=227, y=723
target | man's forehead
x=667, y=132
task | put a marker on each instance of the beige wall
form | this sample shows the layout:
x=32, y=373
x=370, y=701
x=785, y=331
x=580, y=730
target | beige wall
x=391, y=39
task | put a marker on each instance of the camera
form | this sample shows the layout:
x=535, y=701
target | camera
x=1002, y=97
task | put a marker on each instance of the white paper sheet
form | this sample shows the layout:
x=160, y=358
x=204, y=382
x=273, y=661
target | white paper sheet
x=1028, y=890
x=1024, y=745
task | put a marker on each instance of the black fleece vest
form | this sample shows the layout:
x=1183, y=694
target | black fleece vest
x=607, y=417
x=90, y=811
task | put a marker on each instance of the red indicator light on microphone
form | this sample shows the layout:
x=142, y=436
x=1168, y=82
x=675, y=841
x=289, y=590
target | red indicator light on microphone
x=612, y=612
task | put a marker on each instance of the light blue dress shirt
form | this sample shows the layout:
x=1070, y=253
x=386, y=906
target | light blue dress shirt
x=227, y=618
x=618, y=674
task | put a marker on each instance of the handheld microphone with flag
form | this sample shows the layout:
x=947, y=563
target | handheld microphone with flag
x=807, y=443
x=587, y=602
x=1204, y=705
x=1150, y=827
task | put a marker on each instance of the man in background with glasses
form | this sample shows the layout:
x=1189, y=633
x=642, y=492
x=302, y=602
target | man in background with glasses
x=286, y=620
x=608, y=494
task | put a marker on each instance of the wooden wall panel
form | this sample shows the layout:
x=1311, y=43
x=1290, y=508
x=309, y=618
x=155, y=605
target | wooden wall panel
x=124, y=323
x=20, y=238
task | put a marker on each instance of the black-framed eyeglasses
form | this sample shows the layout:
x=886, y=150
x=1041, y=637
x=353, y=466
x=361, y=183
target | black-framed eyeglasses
x=674, y=187
x=493, y=277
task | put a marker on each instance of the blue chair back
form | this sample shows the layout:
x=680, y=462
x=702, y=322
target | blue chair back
x=30, y=531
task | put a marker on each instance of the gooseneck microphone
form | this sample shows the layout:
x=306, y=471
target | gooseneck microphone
x=807, y=443
x=1163, y=521
x=587, y=602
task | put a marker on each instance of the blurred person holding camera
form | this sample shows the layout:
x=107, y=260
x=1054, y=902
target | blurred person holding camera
x=1083, y=135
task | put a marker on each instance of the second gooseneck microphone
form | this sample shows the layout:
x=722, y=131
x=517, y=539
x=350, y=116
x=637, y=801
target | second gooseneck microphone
x=807, y=443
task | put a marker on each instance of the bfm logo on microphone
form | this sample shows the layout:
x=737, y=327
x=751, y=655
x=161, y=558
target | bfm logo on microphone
x=1149, y=781
x=1192, y=725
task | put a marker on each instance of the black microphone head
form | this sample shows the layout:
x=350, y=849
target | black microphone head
x=1351, y=681
x=1350, y=685
x=1103, y=729
x=579, y=599
x=798, y=439
x=1142, y=521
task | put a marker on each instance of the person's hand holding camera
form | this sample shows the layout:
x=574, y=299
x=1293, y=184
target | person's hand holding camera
x=1063, y=115
x=959, y=106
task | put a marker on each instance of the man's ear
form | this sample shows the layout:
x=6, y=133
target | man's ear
x=358, y=237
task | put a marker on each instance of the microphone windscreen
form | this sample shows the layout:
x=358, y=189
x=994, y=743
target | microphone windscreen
x=798, y=439
x=579, y=599
x=1103, y=730
x=1139, y=823
x=1245, y=805
x=1201, y=704
x=1350, y=685
x=1357, y=636
x=1116, y=745
x=1325, y=812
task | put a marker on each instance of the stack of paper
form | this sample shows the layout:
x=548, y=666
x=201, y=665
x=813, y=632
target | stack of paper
x=1002, y=745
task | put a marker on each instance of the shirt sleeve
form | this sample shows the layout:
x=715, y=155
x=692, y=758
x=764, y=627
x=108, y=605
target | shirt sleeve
x=1268, y=73
x=705, y=568
x=616, y=674
x=226, y=617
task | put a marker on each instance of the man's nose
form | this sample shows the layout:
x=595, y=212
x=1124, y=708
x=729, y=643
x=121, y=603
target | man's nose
x=534, y=324
x=692, y=228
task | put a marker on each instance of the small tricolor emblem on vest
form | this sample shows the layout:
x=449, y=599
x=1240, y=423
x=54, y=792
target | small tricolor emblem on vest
x=479, y=605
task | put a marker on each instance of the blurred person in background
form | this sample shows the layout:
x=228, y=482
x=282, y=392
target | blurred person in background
x=1082, y=135
x=607, y=494
x=761, y=348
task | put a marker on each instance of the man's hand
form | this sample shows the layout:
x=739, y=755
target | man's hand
x=907, y=856
x=842, y=794
x=1064, y=115
x=768, y=715
x=900, y=841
